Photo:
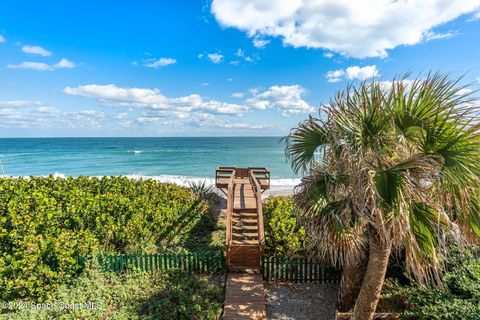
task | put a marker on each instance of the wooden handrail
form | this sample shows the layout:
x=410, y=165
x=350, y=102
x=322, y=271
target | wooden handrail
x=230, y=193
x=261, y=173
x=258, y=197
x=223, y=173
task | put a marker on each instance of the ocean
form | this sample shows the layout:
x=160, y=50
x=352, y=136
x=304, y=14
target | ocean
x=177, y=160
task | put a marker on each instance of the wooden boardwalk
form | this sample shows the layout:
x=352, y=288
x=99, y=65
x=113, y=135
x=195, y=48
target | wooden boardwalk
x=244, y=295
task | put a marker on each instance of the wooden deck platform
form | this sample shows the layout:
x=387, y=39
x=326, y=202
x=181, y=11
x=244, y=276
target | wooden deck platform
x=244, y=297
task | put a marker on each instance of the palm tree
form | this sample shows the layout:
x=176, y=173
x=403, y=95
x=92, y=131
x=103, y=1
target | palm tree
x=390, y=167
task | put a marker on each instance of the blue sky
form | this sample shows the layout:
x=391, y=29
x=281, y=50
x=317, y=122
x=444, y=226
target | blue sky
x=212, y=68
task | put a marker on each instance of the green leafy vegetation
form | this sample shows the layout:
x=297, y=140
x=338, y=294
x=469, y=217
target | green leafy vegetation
x=137, y=295
x=204, y=191
x=284, y=236
x=458, y=300
x=45, y=223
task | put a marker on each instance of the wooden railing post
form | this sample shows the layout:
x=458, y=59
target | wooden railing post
x=258, y=197
x=228, y=235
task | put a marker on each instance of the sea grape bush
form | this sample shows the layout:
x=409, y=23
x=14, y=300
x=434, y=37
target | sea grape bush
x=45, y=223
x=134, y=295
x=284, y=236
x=459, y=299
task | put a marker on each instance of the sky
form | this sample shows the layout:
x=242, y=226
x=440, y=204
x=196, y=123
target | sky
x=213, y=68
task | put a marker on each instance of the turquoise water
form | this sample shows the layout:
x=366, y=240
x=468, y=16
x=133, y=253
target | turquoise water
x=151, y=157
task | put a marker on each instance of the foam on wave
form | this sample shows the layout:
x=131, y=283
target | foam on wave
x=186, y=180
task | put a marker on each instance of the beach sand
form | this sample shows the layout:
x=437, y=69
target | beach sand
x=278, y=191
x=279, y=187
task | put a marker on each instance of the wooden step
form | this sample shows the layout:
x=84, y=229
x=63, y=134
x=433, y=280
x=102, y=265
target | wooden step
x=240, y=228
x=244, y=205
x=243, y=186
x=245, y=209
x=244, y=234
x=244, y=221
x=245, y=242
x=244, y=254
x=245, y=215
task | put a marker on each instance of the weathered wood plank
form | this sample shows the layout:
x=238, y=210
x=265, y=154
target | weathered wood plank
x=244, y=297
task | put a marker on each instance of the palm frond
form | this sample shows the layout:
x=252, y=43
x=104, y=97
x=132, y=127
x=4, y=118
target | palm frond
x=304, y=142
x=203, y=190
x=335, y=237
x=360, y=118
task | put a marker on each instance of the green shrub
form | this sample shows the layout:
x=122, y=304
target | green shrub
x=136, y=295
x=283, y=234
x=45, y=223
x=459, y=300
x=204, y=191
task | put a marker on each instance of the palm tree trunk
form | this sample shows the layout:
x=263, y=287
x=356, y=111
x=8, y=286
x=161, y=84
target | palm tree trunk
x=352, y=278
x=374, y=278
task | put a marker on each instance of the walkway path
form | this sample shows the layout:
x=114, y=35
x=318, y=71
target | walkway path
x=244, y=295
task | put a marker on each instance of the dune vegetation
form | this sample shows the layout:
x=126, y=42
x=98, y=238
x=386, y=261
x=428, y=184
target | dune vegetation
x=45, y=223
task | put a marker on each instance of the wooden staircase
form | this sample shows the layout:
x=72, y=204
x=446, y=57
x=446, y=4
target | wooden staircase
x=245, y=239
x=245, y=236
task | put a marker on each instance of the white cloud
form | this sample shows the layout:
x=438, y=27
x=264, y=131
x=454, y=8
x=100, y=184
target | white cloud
x=7, y=115
x=475, y=16
x=204, y=84
x=431, y=35
x=328, y=55
x=149, y=120
x=2, y=39
x=464, y=91
x=241, y=55
x=353, y=28
x=252, y=58
x=259, y=42
x=46, y=109
x=40, y=66
x=35, y=114
x=238, y=95
x=92, y=113
x=335, y=75
x=361, y=73
x=121, y=116
x=387, y=85
x=158, y=63
x=215, y=57
x=36, y=50
x=64, y=64
x=287, y=99
x=29, y=65
x=210, y=121
x=153, y=99
x=18, y=103
x=353, y=73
